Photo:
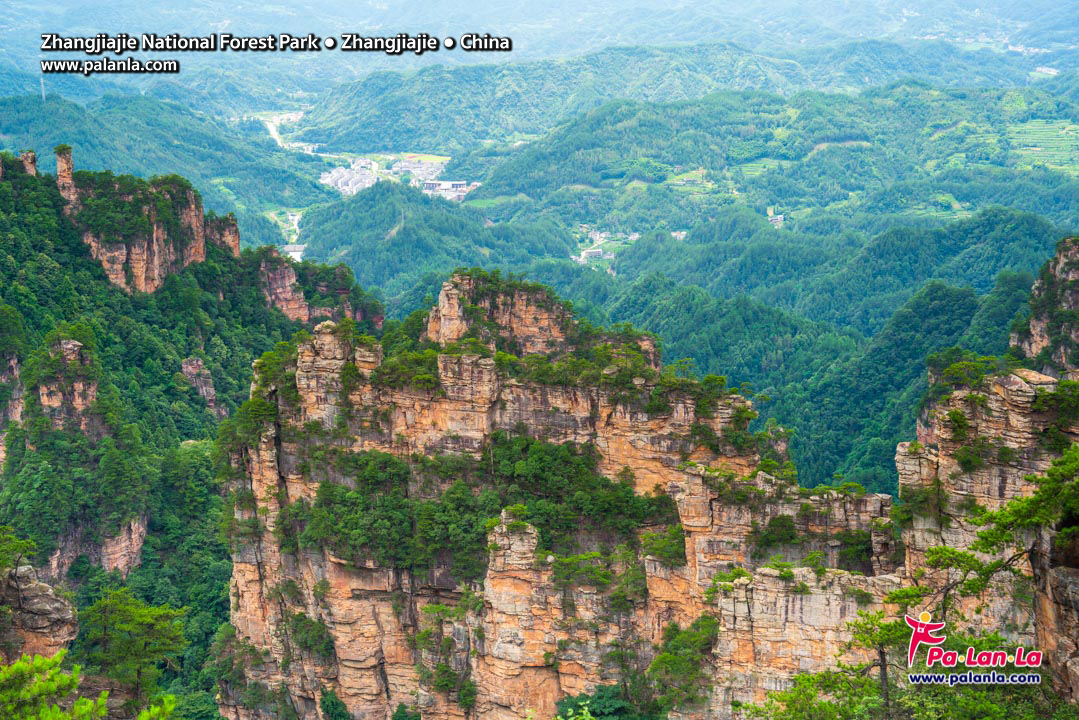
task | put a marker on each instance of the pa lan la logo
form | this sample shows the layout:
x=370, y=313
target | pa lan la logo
x=923, y=632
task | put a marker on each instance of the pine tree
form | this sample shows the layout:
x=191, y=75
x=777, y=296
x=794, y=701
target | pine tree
x=128, y=640
x=31, y=688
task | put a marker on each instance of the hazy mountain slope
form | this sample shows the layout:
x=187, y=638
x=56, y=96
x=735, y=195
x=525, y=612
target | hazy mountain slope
x=634, y=166
x=391, y=235
x=447, y=109
x=843, y=280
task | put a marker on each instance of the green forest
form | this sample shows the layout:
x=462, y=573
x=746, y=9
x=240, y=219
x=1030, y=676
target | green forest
x=445, y=109
x=812, y=209
x=147, y=446
x=853, y=161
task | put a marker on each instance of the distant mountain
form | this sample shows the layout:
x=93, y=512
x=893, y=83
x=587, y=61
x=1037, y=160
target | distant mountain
x=244, y=82
x=830, y=279
x=1066, y=85
x=26, y=78
x=922, y=152
x=392, y=235
x=447, y=109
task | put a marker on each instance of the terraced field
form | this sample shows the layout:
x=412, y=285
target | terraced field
x=1054, y=143
x=756, y=167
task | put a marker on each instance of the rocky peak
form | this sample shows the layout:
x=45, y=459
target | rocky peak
x=525, y=318
x=279, y=287
x=979, y=446
x=120, y=552
x=137, y=253
x=65, y=181
x=282, y=289
x=527, y=636
x=43, y=622
x=29, y=162
x=68, y=391
x=1051, y=336
x=223, y=231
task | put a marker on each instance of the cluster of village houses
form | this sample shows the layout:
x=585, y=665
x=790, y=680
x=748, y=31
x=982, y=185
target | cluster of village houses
x=364, y=172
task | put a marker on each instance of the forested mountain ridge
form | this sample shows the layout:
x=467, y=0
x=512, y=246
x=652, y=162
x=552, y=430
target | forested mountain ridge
x=391, y=235
x=236, y=166
x=110, y=398
x=848, y=280
x=453, y=109
x=910, y=149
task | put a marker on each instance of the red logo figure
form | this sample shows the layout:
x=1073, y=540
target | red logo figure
x=922, y=632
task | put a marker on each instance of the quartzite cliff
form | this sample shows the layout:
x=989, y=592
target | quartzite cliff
x=140, y=232
x=171, y=236
x=520, y=637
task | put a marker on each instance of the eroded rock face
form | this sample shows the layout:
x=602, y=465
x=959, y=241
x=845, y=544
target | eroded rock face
x=223, y=231
x=120, y=699
x=280, y=287
x=29, y=162
x=65, y=169
x=529, y=318
x=1052, y=334
x=527, y=639
x=474, y=400
x=68, y=396
x=982, y=447
x=199, y=376
x=1056, y=608
x=141, y=263
x=120, y=552
x=720, y=529
x=976, y=449
x=521, y=636
x=1052, y=338
x=149, y=260
x=43, y=622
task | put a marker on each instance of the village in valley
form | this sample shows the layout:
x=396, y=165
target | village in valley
x=358, y=172
x=416, y=169
x=354, y=172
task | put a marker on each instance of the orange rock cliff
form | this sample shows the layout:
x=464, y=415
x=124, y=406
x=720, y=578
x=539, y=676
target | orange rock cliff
x=520, y=638
x=138, y=263
x=281, y=289
x=67, y=393
x=67, y=396
x=142, y=260
x=42, y=621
